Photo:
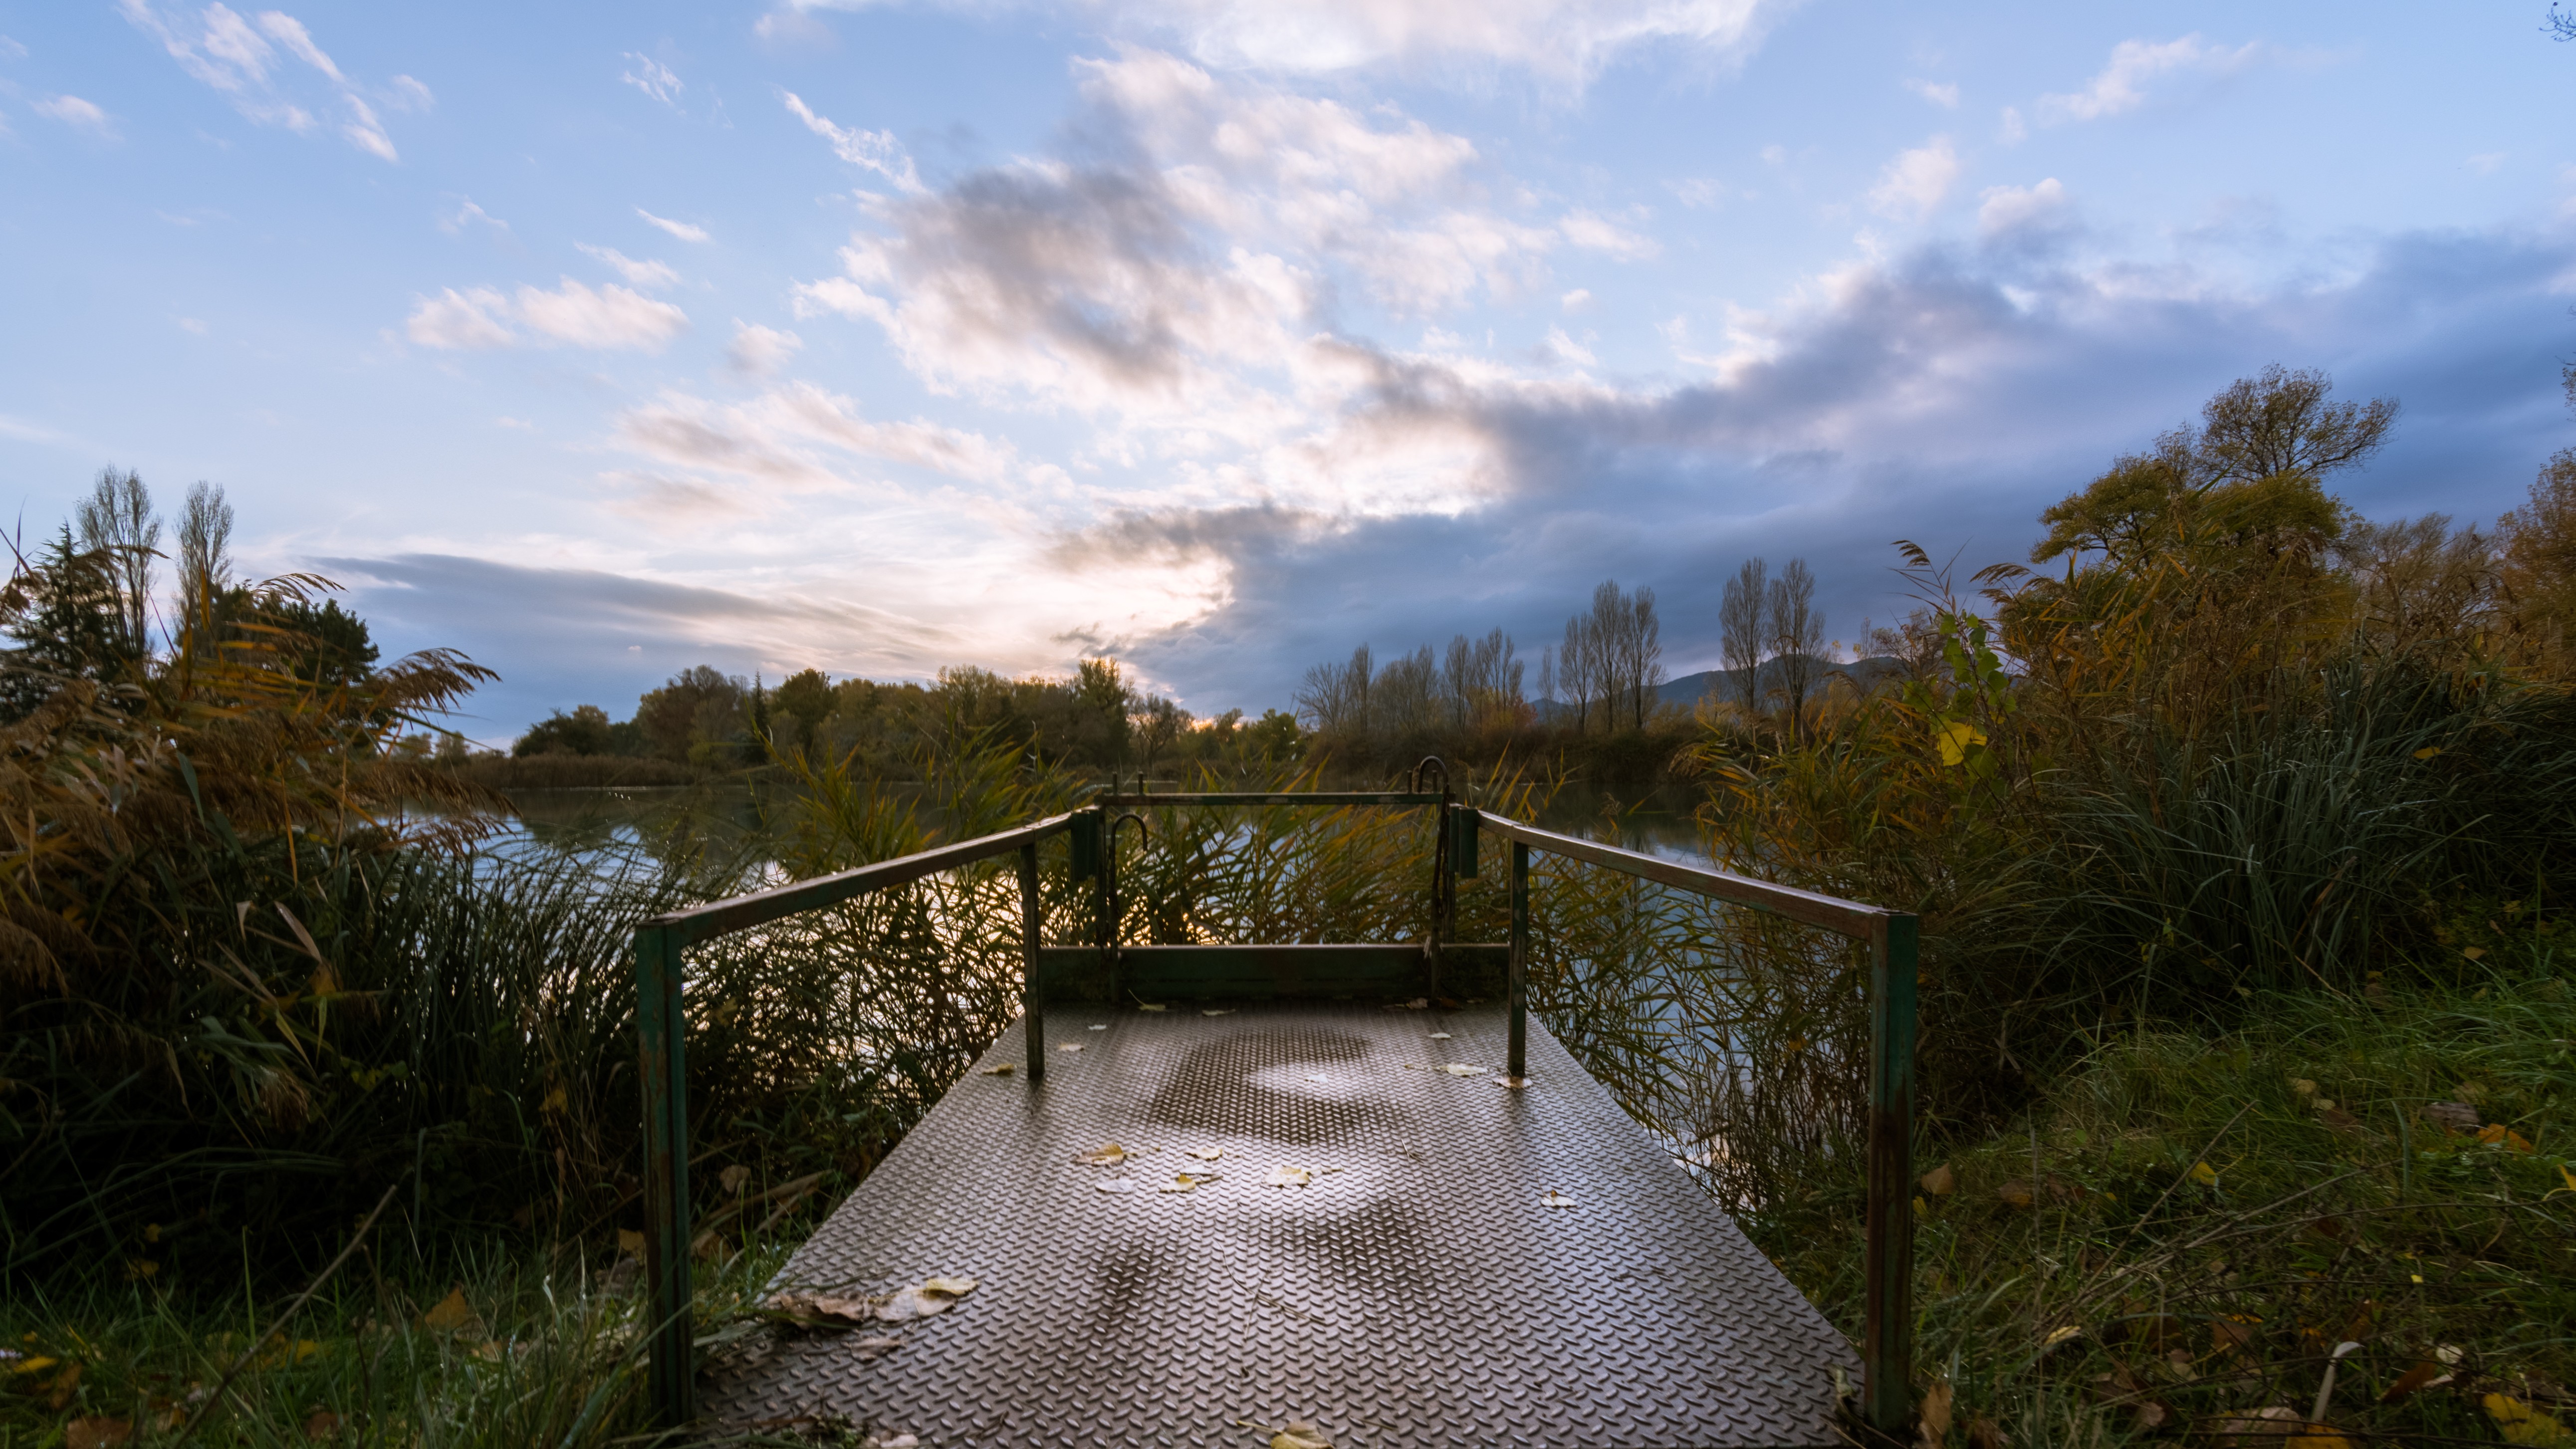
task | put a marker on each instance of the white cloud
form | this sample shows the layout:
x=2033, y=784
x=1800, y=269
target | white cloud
x=1594, y=234
x=1578, y=300
x=468, y=214
x=638, y=273
x=1563, y=41
x=654, y=79
x=2012, y=130
x=1944, y=95
x=472, y=319
x=876, y=151
x=73, y=111
x=759, y=351
x=609, y=317
x=12, y=49
x=2122, y=84
x=480, y=318
x=221, y=48
x=410, y=95
x=2011, y=208
x=680, y=229
x=1569, y=350
x=195, y=325
x=1917, y=180
x=1698, y=192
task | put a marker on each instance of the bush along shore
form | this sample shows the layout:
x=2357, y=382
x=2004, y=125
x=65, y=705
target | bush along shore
x=2237, y=832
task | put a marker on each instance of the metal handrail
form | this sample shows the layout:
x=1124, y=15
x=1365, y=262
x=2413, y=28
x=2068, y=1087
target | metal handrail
x=1887, y=1307
x=661, y=1033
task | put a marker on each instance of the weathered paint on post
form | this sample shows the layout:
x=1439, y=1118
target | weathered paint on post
x=1887, y=1340
x=1032, y=927
x=1462, y=822
x=661, y=1032
x=1518, y=1065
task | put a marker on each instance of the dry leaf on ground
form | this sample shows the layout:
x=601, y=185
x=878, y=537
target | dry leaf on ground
x=732, y=1178
x=1097, y=1026
x=1502, y=1081
x=891, y=1441
x=1108, y=1154
x=824, y=1310
x=2426, y=1374
x=2204, y=1174
x=2520, y=1423
x=452, y=1314
x=926, y=1299
x=2016, y=1194
x=1003, y=1070
x=1934, y=1422
x=630, y=1241
x=1441, y=1036
x=321, y=1424
x=1419, y=1003
x=2499, y=1135
x=1941, y=1181
x=96, y=1433
x=1188, y=1181
x=1317, y=1077
x=876, y=1346
x=1289, y=1177
x=1151, y=1006
x=1556, y=1199
x=1217, y=1011
x=1457, y=1069
x=1300, y=1434
x=2452, y=1116
x=1071, y=1046
x=1116, y=1184
x=1205, y=1154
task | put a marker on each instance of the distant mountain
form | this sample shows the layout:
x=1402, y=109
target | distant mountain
x=1690, y=689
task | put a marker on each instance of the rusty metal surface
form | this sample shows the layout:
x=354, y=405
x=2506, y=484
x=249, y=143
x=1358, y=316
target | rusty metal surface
x=1424, y=1294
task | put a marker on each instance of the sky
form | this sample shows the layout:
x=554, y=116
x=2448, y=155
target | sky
x=1221, y=336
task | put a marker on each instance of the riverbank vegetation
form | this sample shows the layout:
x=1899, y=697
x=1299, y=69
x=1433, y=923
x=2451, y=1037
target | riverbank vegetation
x=2238, y=832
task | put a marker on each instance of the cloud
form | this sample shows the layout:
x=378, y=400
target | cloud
x=474, y=319
x=654, y=79
x=770, y=439
x=1578, y=300
x=876, y=151
x=2011, y=129
x=468, y=214
x=680, y=229
x=2135, y=64
x=480, y=318
x=236, y=57
x=73, y=111
x=642, y=274
x=759, y=351
x=2005, y=209
x=1945, y=95
x=12, y=49
x=1916, y=182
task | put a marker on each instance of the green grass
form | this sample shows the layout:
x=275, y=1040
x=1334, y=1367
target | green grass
x=2362, y=1221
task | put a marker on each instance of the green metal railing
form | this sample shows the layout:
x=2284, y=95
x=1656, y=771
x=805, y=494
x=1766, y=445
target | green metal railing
x=1887, y=1342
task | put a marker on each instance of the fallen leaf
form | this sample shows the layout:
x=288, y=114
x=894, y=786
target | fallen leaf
x=1150, y=1006
x=926, y=1299
x=1554, y=1198
x=1288, y=1177
x=2452, y=1116
x=2520, y=1423
x=2567, y=1177
x=2016, y=1194
x=1003, y=1070
x=891, y=1441
x=1941, y=1181
x=1205, y=1154
x=1985, y=1433
x=1300, y=1434
x=1108, y=1154
x=2303, y=1086
x=2336, y=1117
x=1502, y=1081
x=629, y=1242
x=811, y=1310
x=1116, y=1184
x=1456, y=1070
x=2474, y=953
x=2428, y=752
x=2426, y=1374
x=875, y=1347
x=1217, y=1011
x=1328, y=1169
x=1070, y=1046
x=64, y=1385
x=1419, y=1003
x=452, y=1314
x=1188, y=1181
x=321, y=1424
x=1440, y=1036
x=732, y=1178
x=1097, y=1026
x=2204, y=1174
x=1933, y=1423
x=2061, y=1334
x=1317, y=1077
x=96, y=1433
x=2499, y=1135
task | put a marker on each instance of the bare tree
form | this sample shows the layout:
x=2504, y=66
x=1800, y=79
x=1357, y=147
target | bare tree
x=1646, y=653
x=1797, y=635
x=1334, y=698
x=1744, y=631
x=205, y=556
x=1611, y=629
x=1547, y=674
x=117, y=517
x=1574, y=671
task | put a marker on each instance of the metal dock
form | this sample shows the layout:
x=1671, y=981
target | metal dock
x=1423, y=1290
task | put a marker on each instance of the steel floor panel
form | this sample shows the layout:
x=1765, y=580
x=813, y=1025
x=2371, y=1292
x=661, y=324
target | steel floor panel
x=1423, y=1294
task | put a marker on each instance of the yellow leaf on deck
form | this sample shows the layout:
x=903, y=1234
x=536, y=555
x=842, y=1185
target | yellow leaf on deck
x=1440, y=1036
x=1206, y=1154
x=1289, y=1177
x=1003, y=1070
x=1071, y=1046
x=1457, y=1069
x=1300, y=1434
x=1108, y=1154
x=1555, y=1199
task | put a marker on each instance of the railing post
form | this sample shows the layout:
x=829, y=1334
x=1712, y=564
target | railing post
x=661, y=1032
x=1519, y=985
x=1887, y=1343
x=1033, y=996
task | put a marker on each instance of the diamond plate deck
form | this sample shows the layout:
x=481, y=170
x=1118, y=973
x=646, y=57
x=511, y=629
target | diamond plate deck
x=1421, y=1295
